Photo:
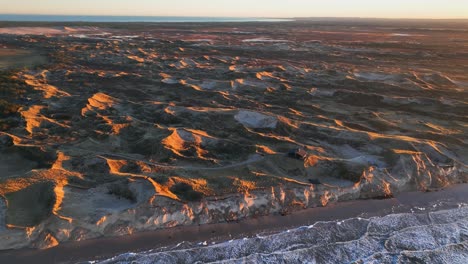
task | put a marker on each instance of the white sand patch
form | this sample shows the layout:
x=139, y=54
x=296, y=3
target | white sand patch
x=373, y=76
x=322, y=92
x=380, y=77
x=126, y=37
x=406, y=35
x=256, y=120
x=91, y=204
x=265, y=40
x=169, y=81
x=242, y=32
x=247, y=83
x=100, y=36
x=45, y=30
x=215, y=85
x=401, y=35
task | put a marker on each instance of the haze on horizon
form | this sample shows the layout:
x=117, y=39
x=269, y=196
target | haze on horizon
x=244, y=8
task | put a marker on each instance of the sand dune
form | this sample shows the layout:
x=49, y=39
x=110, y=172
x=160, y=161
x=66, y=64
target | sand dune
x=138, y=130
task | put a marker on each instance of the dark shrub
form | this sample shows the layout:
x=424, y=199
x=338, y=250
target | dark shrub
x=122, y=191
x=186, y=192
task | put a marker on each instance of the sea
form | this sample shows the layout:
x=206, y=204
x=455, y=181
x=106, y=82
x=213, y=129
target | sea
x=128, y=19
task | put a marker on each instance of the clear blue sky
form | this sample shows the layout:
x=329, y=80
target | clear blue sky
x=245, y=8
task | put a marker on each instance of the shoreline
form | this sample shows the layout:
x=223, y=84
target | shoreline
x=103, y=248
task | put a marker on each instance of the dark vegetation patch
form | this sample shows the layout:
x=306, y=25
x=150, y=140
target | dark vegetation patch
x=43, y=156
x=340, y=170
x=31, y=205
x=359, y=99
x=121, y=191
x=186, y=192
x=10, y=86
x=221, y=184
x=12, y=96
x=348, y=173
x=227, y=150
x=7, y=108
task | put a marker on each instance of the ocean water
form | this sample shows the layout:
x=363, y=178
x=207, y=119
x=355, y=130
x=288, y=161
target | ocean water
x=160, y=19
x=441, y=239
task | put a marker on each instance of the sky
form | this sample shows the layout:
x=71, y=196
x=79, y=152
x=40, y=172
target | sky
x=244, y=8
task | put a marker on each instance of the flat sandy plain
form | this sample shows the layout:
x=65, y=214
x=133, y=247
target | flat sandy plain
x=134, y=127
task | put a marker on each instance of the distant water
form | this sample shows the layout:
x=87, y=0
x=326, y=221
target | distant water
x=166, y=19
